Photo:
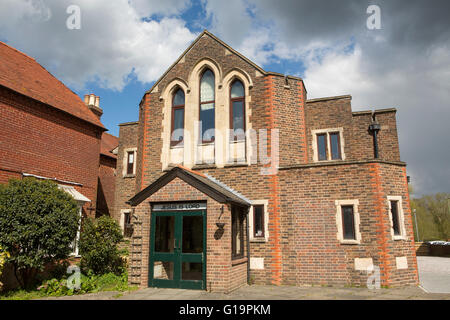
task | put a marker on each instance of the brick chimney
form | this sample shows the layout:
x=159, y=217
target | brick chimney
x=93, y=102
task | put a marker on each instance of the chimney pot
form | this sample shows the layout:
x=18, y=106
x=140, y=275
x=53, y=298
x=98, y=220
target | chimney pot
x=86, y=99
x=97, y=102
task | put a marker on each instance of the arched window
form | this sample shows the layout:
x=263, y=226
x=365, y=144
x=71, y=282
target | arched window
x=177, y=132
x=237, y=111
x=207, y=113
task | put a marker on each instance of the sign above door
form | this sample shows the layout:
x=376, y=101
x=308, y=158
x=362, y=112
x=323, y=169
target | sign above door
x=179, y=206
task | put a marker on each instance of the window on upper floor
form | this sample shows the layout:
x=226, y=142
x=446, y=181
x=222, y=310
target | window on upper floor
x=237, y=111
x=130, y=162
x=207, y=106
x=327, y=145
x=177, y=132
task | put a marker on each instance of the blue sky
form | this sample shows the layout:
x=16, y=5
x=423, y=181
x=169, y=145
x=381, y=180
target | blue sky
x=124, y=46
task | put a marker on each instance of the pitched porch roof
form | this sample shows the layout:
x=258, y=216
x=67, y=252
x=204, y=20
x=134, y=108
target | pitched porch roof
x=201, y=182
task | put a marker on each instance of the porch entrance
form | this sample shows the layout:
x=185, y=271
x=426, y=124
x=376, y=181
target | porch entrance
x=178, y=248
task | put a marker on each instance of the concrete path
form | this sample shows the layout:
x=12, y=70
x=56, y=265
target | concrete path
x=267, y=293
x=434, y=274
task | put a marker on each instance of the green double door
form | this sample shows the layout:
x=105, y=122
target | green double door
x=178, y=250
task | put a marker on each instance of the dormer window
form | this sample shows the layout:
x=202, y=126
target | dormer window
x=177, y=133
x=237, y=111
x=207, y=106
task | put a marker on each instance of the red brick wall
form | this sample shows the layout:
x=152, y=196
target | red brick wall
x=106, y=185
x=39, y=140
x=125, y=187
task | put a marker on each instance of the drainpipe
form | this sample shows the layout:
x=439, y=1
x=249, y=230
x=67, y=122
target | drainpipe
x=374, y=128
x=248, y=247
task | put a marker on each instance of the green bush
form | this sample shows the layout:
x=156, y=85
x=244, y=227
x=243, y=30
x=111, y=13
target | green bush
x=89, y=284
x=38, y=222
x=98, y=246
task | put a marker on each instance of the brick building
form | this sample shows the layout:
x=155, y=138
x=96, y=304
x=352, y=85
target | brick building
x=271, y=188
x=48, y=132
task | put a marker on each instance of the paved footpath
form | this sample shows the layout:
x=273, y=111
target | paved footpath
x=267, y=293
x=434, y=276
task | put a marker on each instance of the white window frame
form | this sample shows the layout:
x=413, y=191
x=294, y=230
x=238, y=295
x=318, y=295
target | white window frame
x=401, y=217
x=327, y=132
x=76, y=250
x=340, y=234
x=122, y=218
x=125, y=162
x=265, y=203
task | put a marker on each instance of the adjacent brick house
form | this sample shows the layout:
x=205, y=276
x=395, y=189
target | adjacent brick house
x=48, y=132
x=272, y=188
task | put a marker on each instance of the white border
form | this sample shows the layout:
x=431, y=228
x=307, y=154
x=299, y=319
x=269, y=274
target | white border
x=401, y=217
x=125, y=162
x=327, y=131
x=266, y=221
x=340, y=235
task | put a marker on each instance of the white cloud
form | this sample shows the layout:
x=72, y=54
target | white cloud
x=113, y=41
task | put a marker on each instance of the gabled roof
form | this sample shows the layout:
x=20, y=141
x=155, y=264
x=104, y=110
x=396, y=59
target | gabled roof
x=24, y=75
x=206, y=32
x=108, y=144
x=197, y=180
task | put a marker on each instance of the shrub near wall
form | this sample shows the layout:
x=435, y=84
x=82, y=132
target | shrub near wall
x=99, y=246
x=38, y=223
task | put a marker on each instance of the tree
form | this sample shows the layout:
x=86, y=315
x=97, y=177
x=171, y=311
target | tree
x=98, y=246
x=38, y=223
x=433, y=215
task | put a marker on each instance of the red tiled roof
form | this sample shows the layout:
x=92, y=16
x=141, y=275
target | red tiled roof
x=24, y=75
x=109, y=142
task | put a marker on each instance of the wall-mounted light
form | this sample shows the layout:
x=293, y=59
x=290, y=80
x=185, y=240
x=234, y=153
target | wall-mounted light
x=219, y=224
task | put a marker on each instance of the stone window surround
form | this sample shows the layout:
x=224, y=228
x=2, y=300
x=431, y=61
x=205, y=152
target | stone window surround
x=125, y=162
x=340, y=235
x=266, y=221
x=401, y=218
x=327, y=132
x=191, y=89
x=122, y=218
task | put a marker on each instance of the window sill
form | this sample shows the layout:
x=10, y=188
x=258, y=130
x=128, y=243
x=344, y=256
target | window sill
x=237, y=141
x=236, y=164
x=129, y=176
x=176, y=147
x=209, y=143
x=204, y=166
x=258, y=240
x=238, y=261
x=399, y=238
x=327, y=161
x=350, y=242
